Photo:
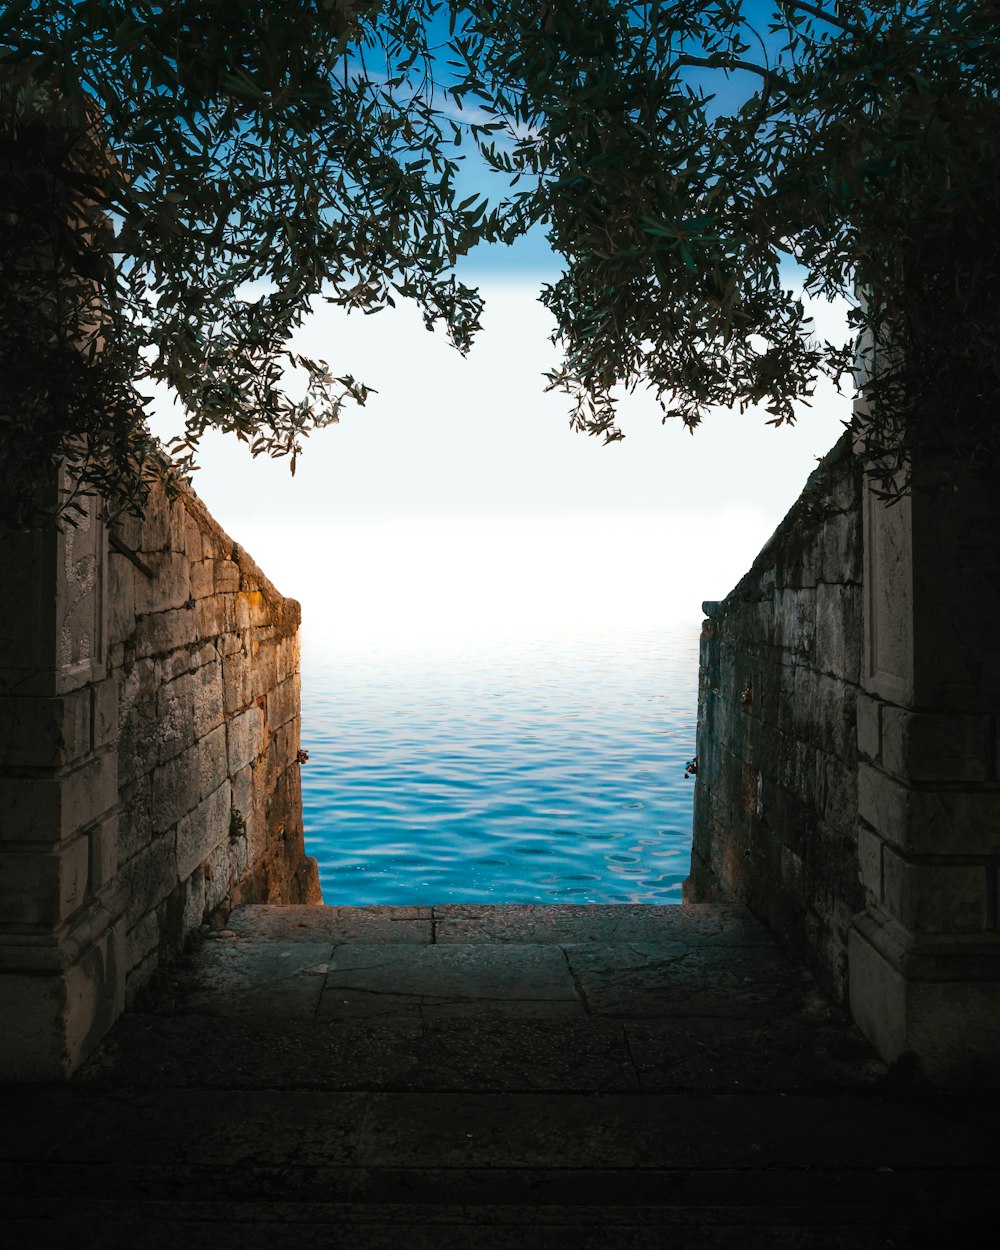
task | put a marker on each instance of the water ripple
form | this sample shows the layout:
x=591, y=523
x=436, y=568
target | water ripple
x=508, y=771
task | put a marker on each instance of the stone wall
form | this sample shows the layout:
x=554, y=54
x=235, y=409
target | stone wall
x=776, y=794
x=205, y=654
x=149, y=775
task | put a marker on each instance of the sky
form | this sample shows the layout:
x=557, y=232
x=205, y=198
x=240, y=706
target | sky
x=458, y=500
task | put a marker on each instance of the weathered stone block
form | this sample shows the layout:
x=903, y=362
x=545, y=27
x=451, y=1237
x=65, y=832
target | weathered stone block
x=178, y=524
x=935, y=898
x=202, y=579
x=121, y=597
x=216, y=615
x=207, y=697
x=175, y=717
x=927, y=746
x=203, y=830
x=193, y=540
x=838, y=631
x=135, y=825
x=839, y=556
x=929, y=822
x=44, y=731
x=243, y=790
x=870, y=861
x=49, y=809
x=160, y=632
x=950, y=1025
x=105, y=712
x=869, y=720
x=283, y=702
x=795, y=621
x=141, y=939
x=220, y=874
x=169, y=587
x=287, y=660
x=193, y=913
x=154, y=533
x=103, y=846
x=176, y=789
x=227, y=577
x=148, y=878
x=246, y=738
x=52, y=1022
x=44, y=888
x=213, y=767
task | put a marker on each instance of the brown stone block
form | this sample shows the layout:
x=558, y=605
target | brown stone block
x=178, y=524
x=207, y=697
x=201, y=832
x=193, y=539
x=175, y=717
x=161, y=632
x=220, y=874
x=235, y=682
x=202, y=579
x=214, y=616
x=121, y=597
x=283, y=702
x=213, y=767
x=169, y=587
x=176, y=789
x=155, y=525
x=227, y=576
x=246, y=738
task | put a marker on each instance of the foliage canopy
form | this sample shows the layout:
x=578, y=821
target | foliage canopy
x=180, y=181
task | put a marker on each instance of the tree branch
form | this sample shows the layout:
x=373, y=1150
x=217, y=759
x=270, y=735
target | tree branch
x=728, y=64
x=815, y=11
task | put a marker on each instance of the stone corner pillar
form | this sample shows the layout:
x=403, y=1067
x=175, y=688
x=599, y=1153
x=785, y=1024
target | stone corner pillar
x=925, y=953
x=62, y=965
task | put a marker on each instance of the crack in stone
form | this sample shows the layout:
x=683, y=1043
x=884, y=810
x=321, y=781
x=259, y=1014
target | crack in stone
x=577, y=984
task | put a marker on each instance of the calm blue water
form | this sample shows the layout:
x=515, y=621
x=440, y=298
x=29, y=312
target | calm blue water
x=515, y=770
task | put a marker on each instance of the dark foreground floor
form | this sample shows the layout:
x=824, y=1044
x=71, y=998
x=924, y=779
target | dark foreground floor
x=455, y=1078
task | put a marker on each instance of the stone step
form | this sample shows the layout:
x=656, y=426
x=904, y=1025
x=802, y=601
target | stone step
x=460, y=1078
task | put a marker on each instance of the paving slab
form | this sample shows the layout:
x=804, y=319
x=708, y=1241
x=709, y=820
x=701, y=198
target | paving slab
x=410, y=980
x=678, y=980
x=256, y=977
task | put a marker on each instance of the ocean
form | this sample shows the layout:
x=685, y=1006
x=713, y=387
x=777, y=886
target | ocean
x=522, y=767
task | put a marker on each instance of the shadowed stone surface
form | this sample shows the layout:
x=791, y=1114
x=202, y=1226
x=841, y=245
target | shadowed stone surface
x=701, y=1094
x=526, y=980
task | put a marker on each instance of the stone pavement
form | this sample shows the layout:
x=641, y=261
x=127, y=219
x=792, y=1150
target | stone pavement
x=507, y=1077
